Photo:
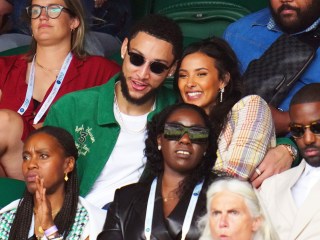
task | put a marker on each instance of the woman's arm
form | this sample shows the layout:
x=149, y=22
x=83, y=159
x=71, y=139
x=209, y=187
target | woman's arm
x=252, y=134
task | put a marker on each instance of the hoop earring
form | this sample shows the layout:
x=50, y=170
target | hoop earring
x=66, y=177
x=221, y=94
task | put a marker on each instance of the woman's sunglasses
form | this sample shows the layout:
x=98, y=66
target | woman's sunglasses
x=175, y=131
x=138, y=60
x=52, y=10
x=298, y=130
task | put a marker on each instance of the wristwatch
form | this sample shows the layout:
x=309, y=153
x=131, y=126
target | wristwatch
x=292, y=151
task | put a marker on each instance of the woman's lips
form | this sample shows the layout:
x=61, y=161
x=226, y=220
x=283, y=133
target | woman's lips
x=31, y=177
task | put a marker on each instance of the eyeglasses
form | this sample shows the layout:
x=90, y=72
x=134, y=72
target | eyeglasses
x=175, y=131
x=155, y=66
x=298, y=130
x=52, y=10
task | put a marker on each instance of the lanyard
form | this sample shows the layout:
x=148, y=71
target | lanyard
x=52, y=94
x=188, y=217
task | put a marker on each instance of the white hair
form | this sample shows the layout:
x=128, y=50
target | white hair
x=252, y=201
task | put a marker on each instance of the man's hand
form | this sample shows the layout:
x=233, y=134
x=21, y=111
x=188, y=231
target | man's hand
x=277, y=160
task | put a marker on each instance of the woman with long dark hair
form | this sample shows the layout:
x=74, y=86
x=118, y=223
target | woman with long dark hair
x=208, y=76
x=170, y=197
x=50, y=207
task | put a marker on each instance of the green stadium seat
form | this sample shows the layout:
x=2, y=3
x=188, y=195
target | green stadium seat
x=15, y=51
x=11, y=189
x=202, y=19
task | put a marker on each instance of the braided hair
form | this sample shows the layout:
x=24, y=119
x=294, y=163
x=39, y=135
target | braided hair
x=65, y=218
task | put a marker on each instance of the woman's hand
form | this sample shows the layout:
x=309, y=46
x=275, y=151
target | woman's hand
x=99, y=3
x=277, y=160
x=43, y=207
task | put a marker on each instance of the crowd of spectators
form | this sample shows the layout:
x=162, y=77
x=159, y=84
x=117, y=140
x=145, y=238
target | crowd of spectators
x=110, y=152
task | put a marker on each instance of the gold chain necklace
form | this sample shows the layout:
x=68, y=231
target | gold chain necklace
x=121, y=119
x=166, y=199
x=54, y=71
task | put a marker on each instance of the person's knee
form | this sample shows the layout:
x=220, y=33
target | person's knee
x=11, y=124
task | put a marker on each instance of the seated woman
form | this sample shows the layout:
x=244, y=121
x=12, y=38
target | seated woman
x=170, y=197
x=50, y=207
x=56, y=64
x=234, y=211
x=208, y=76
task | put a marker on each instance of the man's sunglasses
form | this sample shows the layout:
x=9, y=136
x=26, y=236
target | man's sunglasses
x=138, y=60
x=175, y=131
x=298, y=130
x=52, y=10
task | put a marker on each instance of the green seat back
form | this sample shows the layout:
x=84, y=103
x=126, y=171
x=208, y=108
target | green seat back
x=11, y=189
x=15, y=51
x=202, y=19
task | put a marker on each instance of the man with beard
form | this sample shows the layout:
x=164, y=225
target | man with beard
x=250, y=37
x=292, y=197
x=108, y=122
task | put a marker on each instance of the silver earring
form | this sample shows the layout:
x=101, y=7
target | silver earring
x=221, y=94
x=159, y=147
x=204, y=153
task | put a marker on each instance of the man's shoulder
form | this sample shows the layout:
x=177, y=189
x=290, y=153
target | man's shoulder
x=281, y=178
x=249, y=20
x=87, y=95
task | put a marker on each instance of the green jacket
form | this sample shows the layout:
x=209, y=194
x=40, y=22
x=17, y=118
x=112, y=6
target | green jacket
x=88, y=115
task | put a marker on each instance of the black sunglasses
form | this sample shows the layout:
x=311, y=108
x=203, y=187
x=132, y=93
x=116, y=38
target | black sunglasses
x=175, y=131
x=138, y=60
x=298, y=130
x=52, y=10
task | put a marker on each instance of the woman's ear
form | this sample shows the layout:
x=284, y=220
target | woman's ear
x=225, y=81
x=256, y=224
x=75, y=23
x=159, y=140
x=124, y=47
x=70, y=163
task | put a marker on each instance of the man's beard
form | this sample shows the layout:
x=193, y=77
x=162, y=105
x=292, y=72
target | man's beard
x=303, y=20
x=137, y=101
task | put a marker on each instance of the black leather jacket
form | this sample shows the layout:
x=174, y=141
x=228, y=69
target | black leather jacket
x=126, y=215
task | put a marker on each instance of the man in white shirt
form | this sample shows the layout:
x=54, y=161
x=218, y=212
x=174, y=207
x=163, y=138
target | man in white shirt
x=108, y=122
x=292, y=197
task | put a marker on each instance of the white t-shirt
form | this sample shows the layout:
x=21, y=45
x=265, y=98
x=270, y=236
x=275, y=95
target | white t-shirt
x=301, y=190
x=126, y=162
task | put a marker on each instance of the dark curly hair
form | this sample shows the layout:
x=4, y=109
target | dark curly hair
x=162, y=28
x=155, y=167
x=225, y=62
x=65, y=218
